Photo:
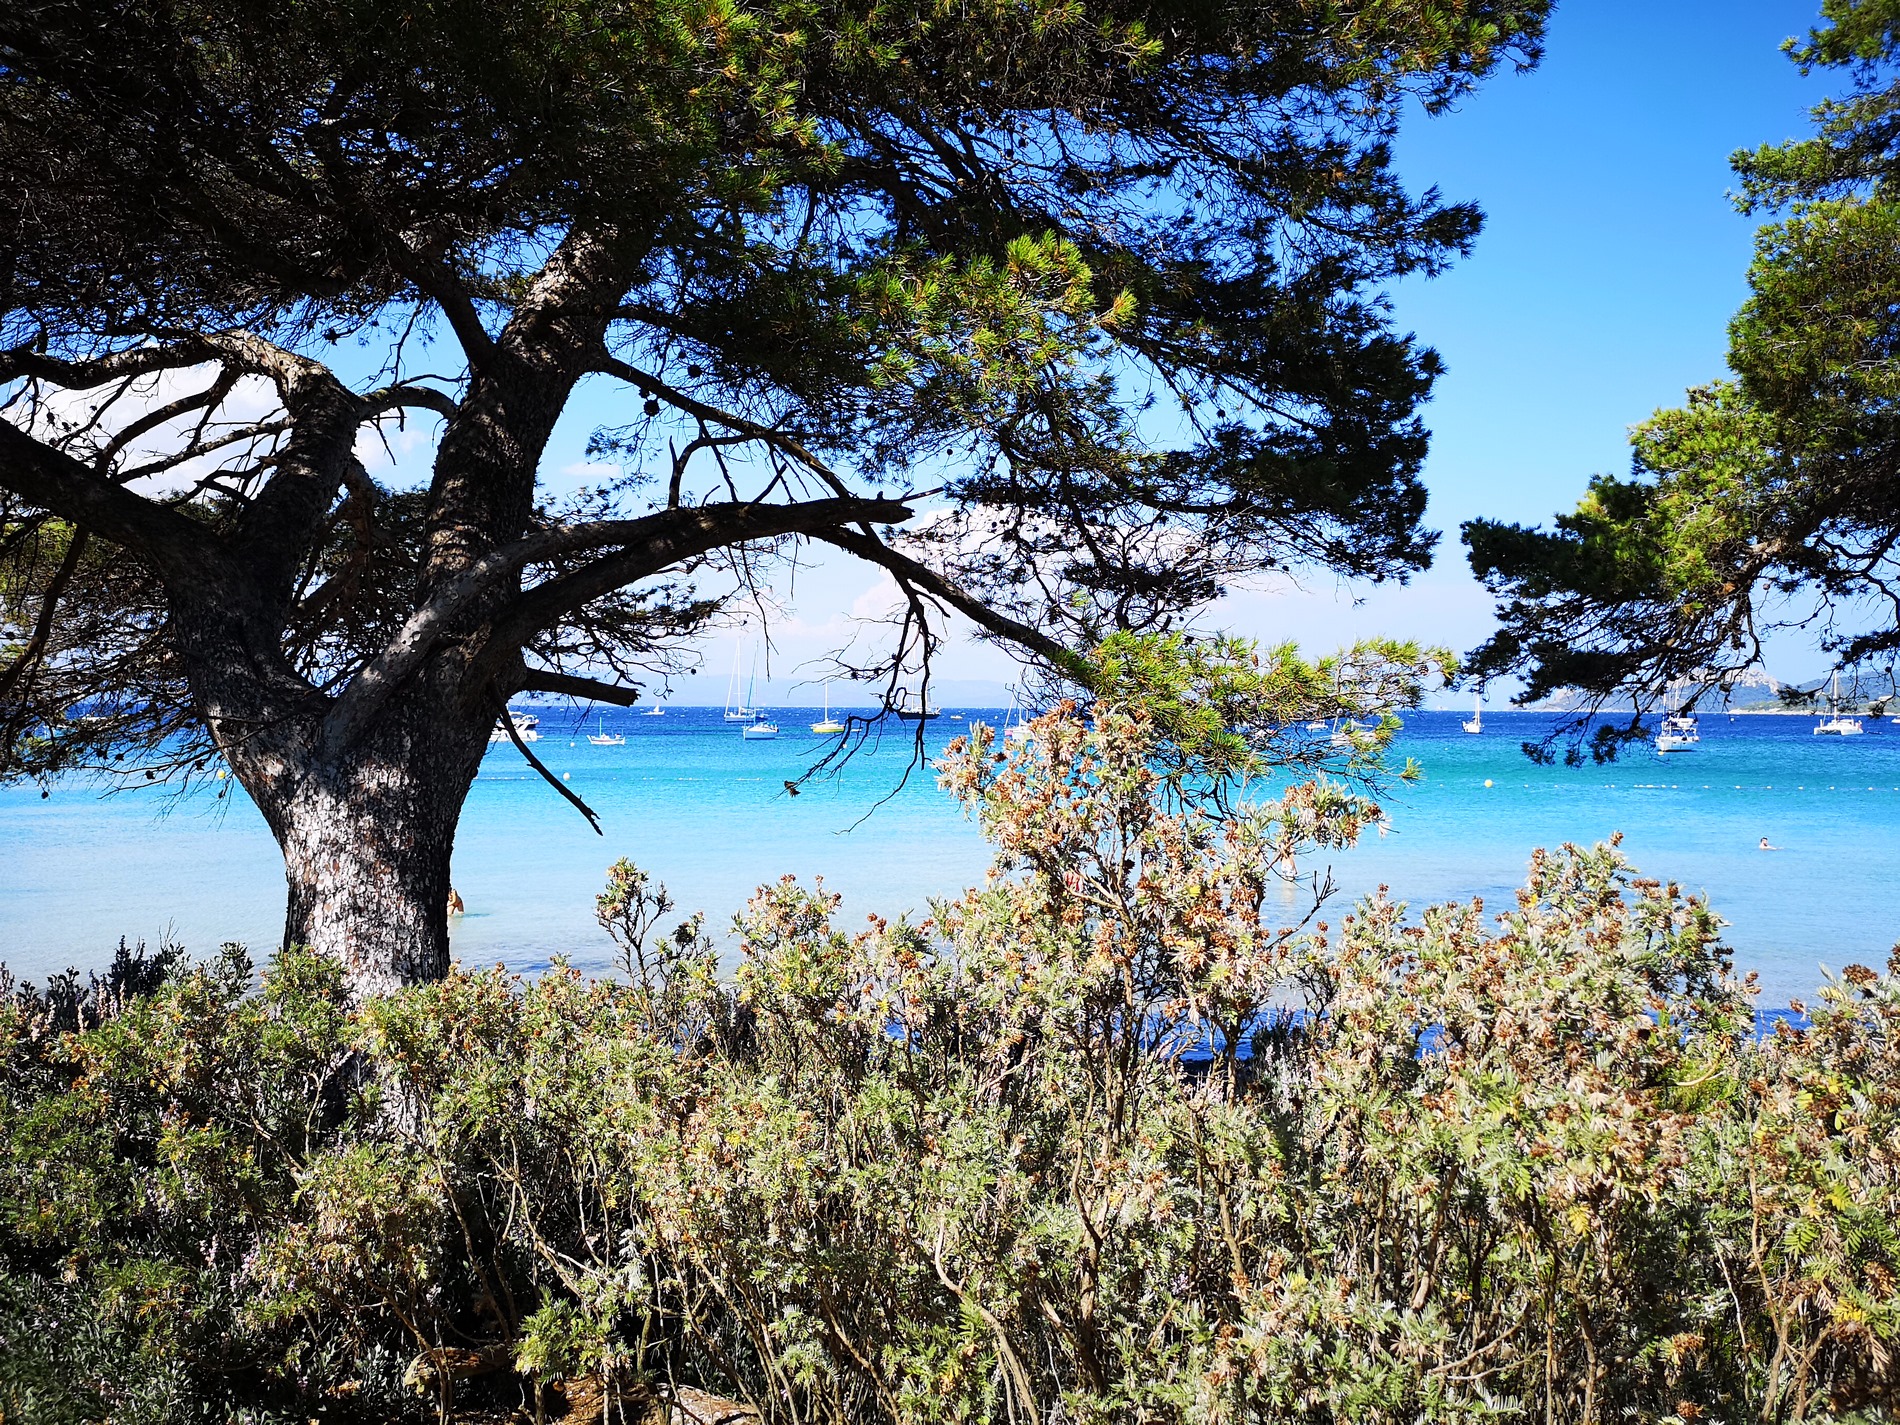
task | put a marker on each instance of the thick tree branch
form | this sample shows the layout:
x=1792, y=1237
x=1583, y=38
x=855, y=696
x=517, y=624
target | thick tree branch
x=674, y=537
x=546, y=680
x=185, y=553
x=483, y=492
x=25, y=363
x=389, y=398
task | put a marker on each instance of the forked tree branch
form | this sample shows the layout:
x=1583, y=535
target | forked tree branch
x=647, y=547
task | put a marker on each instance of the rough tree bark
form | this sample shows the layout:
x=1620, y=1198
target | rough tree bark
x=367, y=839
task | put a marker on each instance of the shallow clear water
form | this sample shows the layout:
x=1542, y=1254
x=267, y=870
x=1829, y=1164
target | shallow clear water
x=708, y=814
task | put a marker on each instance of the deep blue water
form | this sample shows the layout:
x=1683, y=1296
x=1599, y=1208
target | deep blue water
x=708, y=814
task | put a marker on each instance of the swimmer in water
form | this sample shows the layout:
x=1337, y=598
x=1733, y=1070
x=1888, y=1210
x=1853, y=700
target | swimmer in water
x=1766, y=847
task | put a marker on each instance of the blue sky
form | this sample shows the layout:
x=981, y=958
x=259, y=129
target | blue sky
x=1611, y=261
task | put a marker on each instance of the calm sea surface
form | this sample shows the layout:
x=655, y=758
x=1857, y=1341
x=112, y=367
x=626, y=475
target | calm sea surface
x=708, y=814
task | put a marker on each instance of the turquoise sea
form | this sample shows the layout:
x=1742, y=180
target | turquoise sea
x=708, y=814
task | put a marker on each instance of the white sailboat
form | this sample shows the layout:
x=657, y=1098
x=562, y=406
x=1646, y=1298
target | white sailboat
x=1475, y=723
x=1016, y=725
x=657, y=710
x=1685, y=727
x=1834, y=725
x=736, y=711
x=604, y=738
x=1681, y=731
x=761, y=728
x=829, y=724
x=909, y=711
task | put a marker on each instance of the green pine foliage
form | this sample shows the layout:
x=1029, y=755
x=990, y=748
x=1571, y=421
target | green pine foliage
x=1765, y=502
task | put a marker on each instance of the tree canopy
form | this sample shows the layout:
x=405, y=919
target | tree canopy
x=1771, y=499
x=1065, y=313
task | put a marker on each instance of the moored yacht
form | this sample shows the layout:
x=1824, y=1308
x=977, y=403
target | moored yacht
x=526, y=725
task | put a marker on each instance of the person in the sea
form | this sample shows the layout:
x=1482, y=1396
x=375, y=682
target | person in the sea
x=456, y=907
x=1766, y=847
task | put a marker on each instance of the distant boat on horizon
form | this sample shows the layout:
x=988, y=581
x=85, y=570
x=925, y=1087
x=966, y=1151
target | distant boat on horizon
x=1475, y=723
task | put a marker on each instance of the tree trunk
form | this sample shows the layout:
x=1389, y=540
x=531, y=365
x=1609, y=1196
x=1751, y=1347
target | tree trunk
x=366, y=846
x=370, y=886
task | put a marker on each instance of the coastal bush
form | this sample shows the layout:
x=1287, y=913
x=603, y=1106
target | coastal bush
x=1130, y=1132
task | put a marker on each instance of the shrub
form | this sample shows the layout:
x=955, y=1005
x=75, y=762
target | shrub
x=1123, y=1134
